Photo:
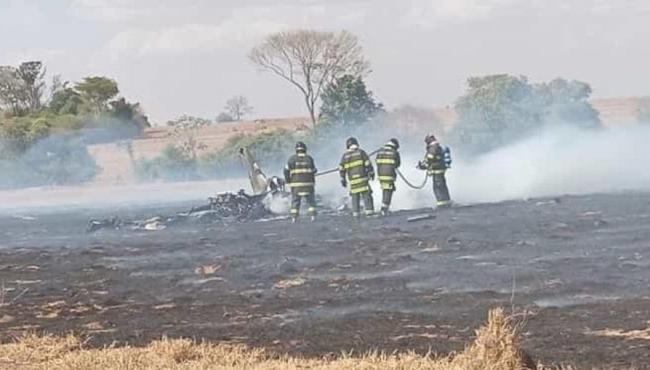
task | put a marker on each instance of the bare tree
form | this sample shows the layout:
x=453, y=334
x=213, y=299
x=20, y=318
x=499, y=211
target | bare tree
x=237, y=107
x=185, y=131
x=22, y=88
x=310, y=60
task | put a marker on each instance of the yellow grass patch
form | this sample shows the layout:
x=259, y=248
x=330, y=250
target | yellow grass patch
x=617, y=333
x=496, y=348
x=290, y=283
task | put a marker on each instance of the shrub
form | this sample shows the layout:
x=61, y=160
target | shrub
x=270, y=149
x=176, y=164
x=54, y=160
x=173, y=164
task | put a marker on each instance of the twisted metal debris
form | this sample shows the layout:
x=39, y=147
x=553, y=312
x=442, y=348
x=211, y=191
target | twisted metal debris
x=224, y=207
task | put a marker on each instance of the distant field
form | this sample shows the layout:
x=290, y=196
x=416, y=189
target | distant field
x=116, y=166
x=617, y=111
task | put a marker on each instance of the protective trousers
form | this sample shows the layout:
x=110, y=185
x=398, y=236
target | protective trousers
x=367, y=203
x=440, y=190
x=387, y=197
x=296, y=198
x=388, y=188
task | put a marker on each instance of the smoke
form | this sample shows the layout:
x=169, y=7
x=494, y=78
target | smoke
x=55, y=159
x=95, y=196
x=553, y=162
x=556, y=161
x=559, y=160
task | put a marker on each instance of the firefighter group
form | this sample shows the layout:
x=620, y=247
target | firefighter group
x=357, y=172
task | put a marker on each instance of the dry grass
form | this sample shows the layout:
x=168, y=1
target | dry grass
x=496, y=348
x=618, y=333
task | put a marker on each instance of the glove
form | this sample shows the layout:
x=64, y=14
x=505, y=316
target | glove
x=420, y=166
x=344, y=183
x=372, y=176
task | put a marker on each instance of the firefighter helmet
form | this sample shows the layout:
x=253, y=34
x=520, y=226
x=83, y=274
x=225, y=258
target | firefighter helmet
x=351, y=141
x=301, y=147
x=431, y=138
x=394, y=143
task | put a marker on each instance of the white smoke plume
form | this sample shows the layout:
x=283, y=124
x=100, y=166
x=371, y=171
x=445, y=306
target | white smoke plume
x=557, y=161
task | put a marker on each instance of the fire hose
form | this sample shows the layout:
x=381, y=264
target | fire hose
x=417, y=187
x=336, y=169
x=424, y=183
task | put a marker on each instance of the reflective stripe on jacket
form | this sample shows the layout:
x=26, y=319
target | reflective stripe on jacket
x=388, y=161
x=355, y=164
x=300, y=172
x=435, y=160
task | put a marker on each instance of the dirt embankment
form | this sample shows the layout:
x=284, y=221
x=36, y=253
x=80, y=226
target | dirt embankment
x=116, y=164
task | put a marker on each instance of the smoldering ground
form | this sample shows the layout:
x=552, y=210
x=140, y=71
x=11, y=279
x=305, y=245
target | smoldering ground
x=580, y=268
x=577, y=263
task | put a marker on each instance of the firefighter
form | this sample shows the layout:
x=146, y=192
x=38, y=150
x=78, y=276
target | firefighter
x=436, y=162
x=356, y=164
x=300, y=174
x=388, y=161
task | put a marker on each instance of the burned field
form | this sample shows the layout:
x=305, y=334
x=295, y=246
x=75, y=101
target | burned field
x=577, y=270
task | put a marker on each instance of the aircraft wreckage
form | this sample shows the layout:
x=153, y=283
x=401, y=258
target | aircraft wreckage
x=238, y=207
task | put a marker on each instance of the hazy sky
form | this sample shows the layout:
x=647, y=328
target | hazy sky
x=189, y=56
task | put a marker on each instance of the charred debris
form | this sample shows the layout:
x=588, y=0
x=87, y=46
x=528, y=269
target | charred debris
x=224, y=207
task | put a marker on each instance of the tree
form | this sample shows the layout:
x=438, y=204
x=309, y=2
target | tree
x=237, y=107
x=18, y=134
x=185, y=132
x=65, y=101
x=566, y=102
x=498, y=109
x=96, y=92
x=310, y=60
x=494, y=104
x=347, y=102
x=224, y=117
x=129, y=113
x=13, y=94
x=33, y=76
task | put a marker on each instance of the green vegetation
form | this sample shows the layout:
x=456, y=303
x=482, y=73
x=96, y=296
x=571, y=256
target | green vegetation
x=187, y=159
x=45, y=127
x=348, y=107
x=499, y=109
x=171, y=165
x=347, y=102
x=56, y=160
x=224, y=117
x=268, y=148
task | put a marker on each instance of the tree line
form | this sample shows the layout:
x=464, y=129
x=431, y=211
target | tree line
x=329, y=70
x=46, y=124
